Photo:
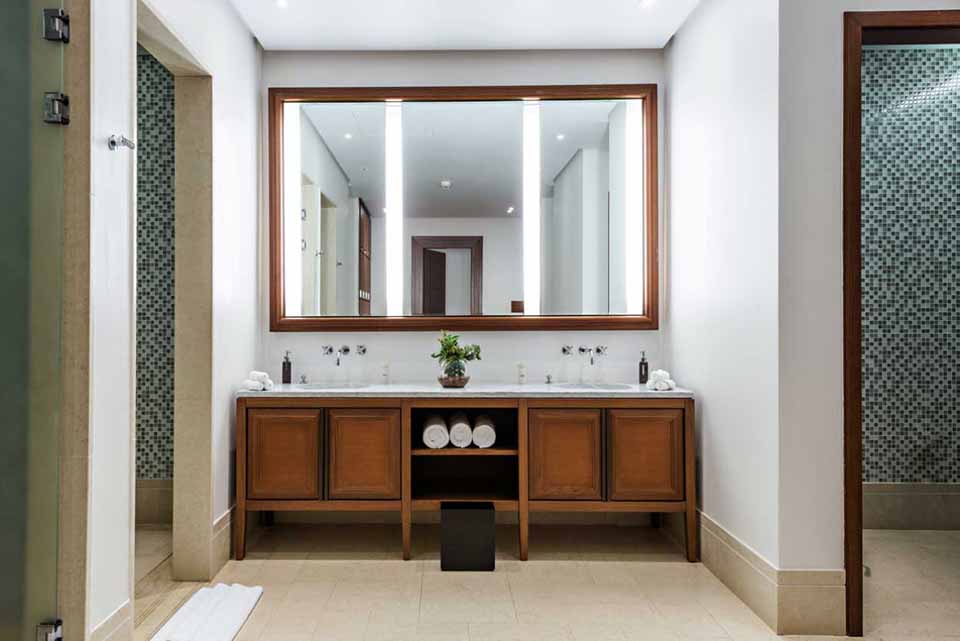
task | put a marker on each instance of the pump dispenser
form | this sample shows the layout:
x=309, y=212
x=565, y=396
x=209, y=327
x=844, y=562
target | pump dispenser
x=287, y=369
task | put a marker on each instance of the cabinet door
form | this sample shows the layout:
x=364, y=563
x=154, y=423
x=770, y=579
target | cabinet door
x=565, y=461
x=364, y=454
x=283, y=454
x=646, y=455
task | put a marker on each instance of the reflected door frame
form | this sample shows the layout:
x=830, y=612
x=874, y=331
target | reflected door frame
x=418, y=244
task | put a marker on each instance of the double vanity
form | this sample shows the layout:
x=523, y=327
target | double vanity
x=559, y=448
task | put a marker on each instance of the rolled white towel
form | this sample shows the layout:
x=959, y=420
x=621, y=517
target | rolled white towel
x=435, y=434
x=252, y=385
x=660, y=381
x=254, y=375
x=460, y=433
x=267, y=385
x=484, y=432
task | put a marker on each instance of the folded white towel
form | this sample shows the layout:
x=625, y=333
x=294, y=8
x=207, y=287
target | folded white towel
x=257, y=386
x=435, y=434
x=460, y=433
x=254, y=375
x=484, y=432
x=660, y=381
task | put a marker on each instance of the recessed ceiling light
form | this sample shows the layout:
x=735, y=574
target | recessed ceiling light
x=348, y=136
x=283, y=4
x=446, y=184
x=510, y=209
x=561, y=136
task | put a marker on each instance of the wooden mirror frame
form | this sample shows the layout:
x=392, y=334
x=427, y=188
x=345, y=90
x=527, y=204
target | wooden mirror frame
x=650, y=320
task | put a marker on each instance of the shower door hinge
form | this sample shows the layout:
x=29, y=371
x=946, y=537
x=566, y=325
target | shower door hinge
x=50, y=631
x=56, y=108
x=56, y=25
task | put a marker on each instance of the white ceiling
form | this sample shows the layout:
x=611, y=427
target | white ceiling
x=459, y=24
x=475, y=145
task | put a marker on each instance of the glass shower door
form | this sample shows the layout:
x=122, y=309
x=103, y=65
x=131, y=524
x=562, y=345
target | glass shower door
x=31, y=223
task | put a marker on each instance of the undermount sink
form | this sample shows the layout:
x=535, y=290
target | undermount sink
x=594, y=386
x=320, y=386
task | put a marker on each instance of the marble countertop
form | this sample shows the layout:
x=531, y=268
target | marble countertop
x=472, y=390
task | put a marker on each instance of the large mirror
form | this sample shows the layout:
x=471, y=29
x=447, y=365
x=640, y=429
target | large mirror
x=514, y=209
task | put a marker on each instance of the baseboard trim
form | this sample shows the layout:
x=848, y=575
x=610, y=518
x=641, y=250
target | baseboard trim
x=220, y=542
x=116, y=627
x=791, y=602
x=911, y=506
x=154, y=501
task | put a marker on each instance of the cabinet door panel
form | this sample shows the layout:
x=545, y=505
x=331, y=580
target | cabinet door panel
x=283, y=454
x=565, y=461
x=646, y=455
x=364, y=454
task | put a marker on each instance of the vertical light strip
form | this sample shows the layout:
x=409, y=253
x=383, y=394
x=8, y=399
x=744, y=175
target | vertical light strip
x=531, y=207
x=635, y=208
x=292, y=196
x=394, y=197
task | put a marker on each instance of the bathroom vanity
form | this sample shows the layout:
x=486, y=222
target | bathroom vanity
x=559, y=448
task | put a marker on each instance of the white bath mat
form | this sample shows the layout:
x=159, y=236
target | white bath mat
x=212, y=614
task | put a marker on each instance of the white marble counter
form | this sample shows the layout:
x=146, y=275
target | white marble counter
x=472, y=390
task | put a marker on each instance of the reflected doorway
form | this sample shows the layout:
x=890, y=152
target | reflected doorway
x=446, y=275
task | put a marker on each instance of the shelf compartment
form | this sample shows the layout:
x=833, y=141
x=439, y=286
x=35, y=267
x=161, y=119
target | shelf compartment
x=453, y=478
x=433, y=504
x=505, y=422
x=467, y=451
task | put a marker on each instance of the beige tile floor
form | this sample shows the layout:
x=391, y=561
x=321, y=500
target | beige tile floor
x=153, y=544
x=345, y=583
x=912, y=590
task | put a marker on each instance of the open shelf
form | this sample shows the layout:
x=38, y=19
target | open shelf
x=467, y=451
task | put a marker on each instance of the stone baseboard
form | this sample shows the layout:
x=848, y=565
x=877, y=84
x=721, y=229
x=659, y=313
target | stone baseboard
x=154, y=502
x=791, y=602
x=116, y=627
x=911, y=506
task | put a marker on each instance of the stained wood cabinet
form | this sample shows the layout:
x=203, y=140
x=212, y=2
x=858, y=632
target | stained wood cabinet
x=364, y=447
x=284, y=453
x=565, y=454
x=645, y=455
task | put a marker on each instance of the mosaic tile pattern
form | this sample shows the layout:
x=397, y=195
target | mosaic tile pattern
x=155, y=266
x=911, y=265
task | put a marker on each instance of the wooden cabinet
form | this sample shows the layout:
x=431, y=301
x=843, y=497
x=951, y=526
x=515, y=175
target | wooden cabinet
x=645, y=455
x=364, y=454
x=283, y=454
x=565, y=454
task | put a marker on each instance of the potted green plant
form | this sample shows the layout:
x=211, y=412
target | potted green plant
x=453, y=359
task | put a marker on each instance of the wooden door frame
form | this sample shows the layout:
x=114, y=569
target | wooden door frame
x=420, y=243
x=857, y=27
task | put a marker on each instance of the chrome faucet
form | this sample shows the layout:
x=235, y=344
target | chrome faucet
x=343, y=351
x=584, y=350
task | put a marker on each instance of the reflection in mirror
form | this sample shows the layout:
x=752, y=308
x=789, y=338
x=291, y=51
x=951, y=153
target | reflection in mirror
x=592, y=231
x=463, y=208
x=333, y=155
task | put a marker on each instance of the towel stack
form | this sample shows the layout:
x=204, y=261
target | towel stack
x=660, y=381
x=435, y=433
x=258, y=382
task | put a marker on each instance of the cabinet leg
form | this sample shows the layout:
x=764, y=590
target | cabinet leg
x=693, y=539
x=405, y=519
x=524, y=535
x=240, y=534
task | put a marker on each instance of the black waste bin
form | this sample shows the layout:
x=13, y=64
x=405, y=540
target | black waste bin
x=467, y=537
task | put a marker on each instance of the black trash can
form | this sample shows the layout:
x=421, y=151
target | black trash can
x=467, y=537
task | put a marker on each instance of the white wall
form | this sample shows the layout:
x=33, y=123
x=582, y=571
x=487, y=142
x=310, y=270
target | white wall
x=721, y=296
x=112, y=283
x=811, y=304
x=458, y=282
x=221, y=42
x=409, y=352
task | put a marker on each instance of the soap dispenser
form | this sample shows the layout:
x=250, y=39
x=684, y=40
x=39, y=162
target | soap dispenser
x=644, y=368
x=287, y=369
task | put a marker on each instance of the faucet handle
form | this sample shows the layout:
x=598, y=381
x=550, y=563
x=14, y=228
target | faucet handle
x=327, y=350
x=361, y=350
x=303, y=379
x=601, y=350
x=566, y=350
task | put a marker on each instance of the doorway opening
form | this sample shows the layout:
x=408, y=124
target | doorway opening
x=446, y=275
x=901, y=337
